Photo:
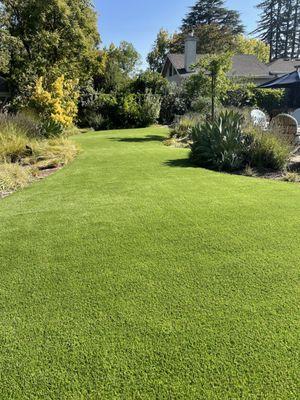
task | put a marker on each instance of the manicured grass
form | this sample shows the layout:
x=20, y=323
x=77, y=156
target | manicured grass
x=131, y=275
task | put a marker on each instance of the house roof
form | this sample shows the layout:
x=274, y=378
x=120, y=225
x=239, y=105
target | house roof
x=248, y=65
x=283, y=66
x=242, y=65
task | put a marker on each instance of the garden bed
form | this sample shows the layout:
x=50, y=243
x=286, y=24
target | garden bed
x=290, y=174
x=29, y=153
x=40, y=174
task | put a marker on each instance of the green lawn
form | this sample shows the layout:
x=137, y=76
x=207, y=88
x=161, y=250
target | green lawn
x=131, y=275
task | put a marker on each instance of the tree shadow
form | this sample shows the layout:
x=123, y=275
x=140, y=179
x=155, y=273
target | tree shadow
x=148, y=138
x=180, y=163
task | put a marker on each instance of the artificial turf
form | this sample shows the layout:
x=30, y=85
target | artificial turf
x=130, y=274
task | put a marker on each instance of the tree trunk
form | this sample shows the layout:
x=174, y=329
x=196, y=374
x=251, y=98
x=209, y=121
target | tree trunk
x=287, y=31
x=278, y=29
x=295, y=29
x=271, y=40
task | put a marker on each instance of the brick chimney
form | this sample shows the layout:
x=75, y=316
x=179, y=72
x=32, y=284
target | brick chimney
x=190, y=52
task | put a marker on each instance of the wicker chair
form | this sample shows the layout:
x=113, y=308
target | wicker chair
x=286, y=126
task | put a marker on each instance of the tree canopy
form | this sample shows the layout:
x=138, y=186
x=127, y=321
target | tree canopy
x=279, y=27
x=210, y=39
x=162, y=45
x=210, y=12
x=117, y=65
x=256, y=47
x=212, y=24
x=53, y=37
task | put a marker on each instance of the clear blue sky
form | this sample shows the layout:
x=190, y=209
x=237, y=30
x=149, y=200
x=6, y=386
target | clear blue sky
x=138, y=21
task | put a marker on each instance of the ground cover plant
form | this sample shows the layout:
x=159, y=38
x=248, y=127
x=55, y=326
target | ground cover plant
x=129, y=274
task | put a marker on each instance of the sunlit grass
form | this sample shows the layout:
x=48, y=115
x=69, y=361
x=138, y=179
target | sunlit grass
x=130, y=274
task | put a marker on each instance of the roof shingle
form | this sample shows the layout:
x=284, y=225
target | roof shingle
x=283, y=66
x=242, y=65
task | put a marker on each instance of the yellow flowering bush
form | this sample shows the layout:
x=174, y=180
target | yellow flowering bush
x=57, y=102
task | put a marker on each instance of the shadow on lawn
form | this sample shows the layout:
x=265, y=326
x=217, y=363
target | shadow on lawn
x=180, y=163
x=148, y=138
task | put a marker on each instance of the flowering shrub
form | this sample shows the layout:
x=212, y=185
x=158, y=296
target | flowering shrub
x=58, y=101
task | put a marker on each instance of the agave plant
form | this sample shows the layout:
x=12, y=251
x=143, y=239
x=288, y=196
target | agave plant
x=221, y=145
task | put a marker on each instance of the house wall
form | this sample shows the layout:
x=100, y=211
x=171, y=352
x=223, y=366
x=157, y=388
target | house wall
x=175, y=79
x=178, y=79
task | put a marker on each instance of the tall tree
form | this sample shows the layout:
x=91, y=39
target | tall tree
x=279, y=27
x=52, y=37
x=266, y=29
x=160, y=49
x=209, y=12
x=117, y=65
x=256, y=47
x=211, y=39
x=213, y=25
x=295, y=34
x=288, y=27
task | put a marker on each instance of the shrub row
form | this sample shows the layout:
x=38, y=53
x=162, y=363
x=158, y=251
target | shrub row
x=111, y=111
x=248, y=95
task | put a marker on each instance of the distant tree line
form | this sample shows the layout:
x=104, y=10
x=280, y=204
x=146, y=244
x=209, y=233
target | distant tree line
x=52, y=59
x=219, y=29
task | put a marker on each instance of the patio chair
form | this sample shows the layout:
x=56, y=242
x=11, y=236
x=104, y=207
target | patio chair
x=259, y=118
x=286, y=126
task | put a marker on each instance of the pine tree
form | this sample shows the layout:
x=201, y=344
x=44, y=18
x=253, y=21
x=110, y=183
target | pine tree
x=267, y=27
x=295, y=35
x=279, y=27
x=209, y=12
x=288, y=28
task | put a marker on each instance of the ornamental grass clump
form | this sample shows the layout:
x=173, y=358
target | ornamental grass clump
x=267, y=150
x=54, y=153
x=24, y=151
x=13, y=177
x=230, y=144
x=14, y=147
x=25, y=123
x=183, y=128
x=221, y=145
